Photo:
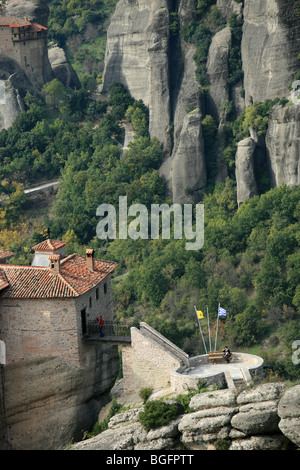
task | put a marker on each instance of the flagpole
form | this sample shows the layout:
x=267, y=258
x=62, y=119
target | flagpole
x=217, y=328
x=208, y=328
x=200, y=329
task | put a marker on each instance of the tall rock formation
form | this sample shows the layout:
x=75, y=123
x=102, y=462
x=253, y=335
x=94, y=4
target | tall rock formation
x=157, y=67
x=49, y=402
x=270, y=48
x=35, y=63
x=137, y=56
x=283, y=145
x=10, y=106
x=24, y=61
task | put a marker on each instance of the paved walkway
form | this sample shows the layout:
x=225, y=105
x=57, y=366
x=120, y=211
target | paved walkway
x=207, y=370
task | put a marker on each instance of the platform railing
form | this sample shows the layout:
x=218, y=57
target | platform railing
x=110, y=328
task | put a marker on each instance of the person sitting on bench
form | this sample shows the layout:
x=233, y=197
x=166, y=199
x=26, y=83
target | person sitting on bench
x=226, y=354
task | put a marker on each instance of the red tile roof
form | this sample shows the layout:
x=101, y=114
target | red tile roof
x=49, y=245
x=3, y=281
x=5, y=254
x=13, y=21
x=73, y=280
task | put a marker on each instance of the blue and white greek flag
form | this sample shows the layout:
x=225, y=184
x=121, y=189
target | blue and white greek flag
x=222, y=312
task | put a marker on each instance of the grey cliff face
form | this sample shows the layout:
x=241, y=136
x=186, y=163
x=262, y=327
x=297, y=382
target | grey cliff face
x=244, y=170
x=217, y=70
x=137, y=56
x=62, y=69
x=12, y=106
x=36, y=11
x=161, y=72
x=283, y=145
x=270, y=47
x=49, y=401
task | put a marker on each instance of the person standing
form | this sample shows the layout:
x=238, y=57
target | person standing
x=100, y=323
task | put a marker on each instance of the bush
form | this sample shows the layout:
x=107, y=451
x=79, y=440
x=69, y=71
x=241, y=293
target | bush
x=157, y=413
x=145, y=393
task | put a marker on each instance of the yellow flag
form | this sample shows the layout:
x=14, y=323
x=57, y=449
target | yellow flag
x=200, y=314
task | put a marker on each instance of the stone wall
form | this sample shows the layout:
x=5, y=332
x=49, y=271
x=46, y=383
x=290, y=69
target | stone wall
x=51, y=327
x=150, y=360
x=31, y=55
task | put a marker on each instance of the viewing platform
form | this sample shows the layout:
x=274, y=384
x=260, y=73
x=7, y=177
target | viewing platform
x=113, y=333
x=241, y=370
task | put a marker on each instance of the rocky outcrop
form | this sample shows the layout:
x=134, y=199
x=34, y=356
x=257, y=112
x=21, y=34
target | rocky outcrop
x=10, y=106
x=36, y=11
x=283, y=145
x=160, y=70
x=217, y=71
x=62, y=68
x=229, y=8
x=33, y=71
x=244, y=170
x=137, y=56
x=49, y=402
x=188, y=170
x=289, y=412
x=258, y=410
x=263, y=418
x=270, y=48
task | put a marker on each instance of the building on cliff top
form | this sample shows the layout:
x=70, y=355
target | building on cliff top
x=46, y=308
x=25, y=43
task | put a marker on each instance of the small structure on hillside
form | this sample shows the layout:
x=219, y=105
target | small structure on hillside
x=45, y=308
x=24, y=47
x=153, y=361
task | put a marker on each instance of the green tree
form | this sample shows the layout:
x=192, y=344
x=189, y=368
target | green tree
x=55, y=93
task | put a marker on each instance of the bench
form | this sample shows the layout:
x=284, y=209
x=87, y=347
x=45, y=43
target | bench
x=213, y=356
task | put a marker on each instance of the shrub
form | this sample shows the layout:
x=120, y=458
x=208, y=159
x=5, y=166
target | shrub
x=145, y=393
x=157, y=413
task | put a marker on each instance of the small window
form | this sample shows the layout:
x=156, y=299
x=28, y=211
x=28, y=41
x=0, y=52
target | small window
x=105, y=288
x=97, y=293
x=90, y=302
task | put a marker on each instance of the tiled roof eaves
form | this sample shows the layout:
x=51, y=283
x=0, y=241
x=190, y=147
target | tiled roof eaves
x=36, y=282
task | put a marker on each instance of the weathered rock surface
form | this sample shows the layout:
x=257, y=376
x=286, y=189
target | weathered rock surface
x=161, y=72
x=217, y=71
x=188, y=161
x=49, y=402
x=289, y=412
x=270, y=47
x=283, y=145
x=36, y=11
x=229, y=8
x=244, y=170
x=257, y=412
x=137, y=56
x=62, y=68
x=28, y=78
x=10, y=106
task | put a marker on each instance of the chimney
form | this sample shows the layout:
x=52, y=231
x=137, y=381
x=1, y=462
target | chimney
x=54, y=264
x=90, y=260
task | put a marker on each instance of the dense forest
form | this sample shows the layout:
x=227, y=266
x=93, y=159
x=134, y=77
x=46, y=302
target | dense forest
x=250, y=261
